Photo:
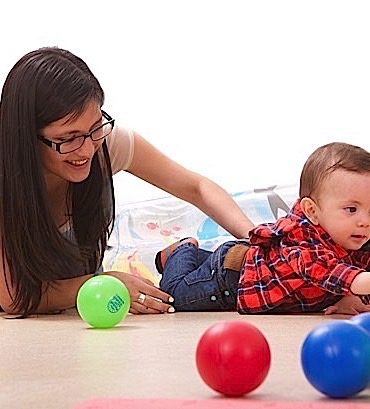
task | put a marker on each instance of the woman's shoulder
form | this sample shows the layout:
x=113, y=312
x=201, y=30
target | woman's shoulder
x=121, y=148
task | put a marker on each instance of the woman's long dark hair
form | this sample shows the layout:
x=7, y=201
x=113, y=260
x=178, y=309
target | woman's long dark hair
x=44, y=86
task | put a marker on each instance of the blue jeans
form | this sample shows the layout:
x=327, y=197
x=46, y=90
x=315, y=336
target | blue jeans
x=197, y=279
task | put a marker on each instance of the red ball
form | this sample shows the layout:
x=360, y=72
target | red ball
x=233, y=357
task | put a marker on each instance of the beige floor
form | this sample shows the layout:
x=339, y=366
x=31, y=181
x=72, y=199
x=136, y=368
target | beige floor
x=58, y=362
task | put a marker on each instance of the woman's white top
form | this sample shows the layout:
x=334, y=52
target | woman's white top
x=121, y=148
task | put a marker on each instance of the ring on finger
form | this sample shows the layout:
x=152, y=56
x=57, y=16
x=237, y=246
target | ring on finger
x=141, y=298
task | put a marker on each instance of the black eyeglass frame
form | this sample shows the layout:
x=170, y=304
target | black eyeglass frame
x=56, y=145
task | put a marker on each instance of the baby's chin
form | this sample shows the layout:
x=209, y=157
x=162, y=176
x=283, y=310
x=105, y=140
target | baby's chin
x=353, y=247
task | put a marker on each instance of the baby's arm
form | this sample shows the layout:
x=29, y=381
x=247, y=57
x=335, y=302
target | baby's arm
x=361, y=283
x=352, y=304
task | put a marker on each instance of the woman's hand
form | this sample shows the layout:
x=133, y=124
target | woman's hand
x=146, y=298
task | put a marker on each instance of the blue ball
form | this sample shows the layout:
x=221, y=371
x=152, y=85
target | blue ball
x=335, y=358
x=363, y=320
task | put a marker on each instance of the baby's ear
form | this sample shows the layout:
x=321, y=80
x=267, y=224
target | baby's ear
x=308, y=207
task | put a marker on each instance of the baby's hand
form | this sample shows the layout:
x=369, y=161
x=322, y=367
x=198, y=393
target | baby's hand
x=350, y=305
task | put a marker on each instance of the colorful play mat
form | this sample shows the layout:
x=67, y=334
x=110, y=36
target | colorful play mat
x=143, y=228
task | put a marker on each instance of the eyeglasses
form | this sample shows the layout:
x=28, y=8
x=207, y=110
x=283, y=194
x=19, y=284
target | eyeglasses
x=72, y=144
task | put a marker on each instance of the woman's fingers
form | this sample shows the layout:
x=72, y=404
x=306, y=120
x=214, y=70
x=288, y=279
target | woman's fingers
x=145, y=297
x=149, y=303
x=139, y=309
x=155, y=292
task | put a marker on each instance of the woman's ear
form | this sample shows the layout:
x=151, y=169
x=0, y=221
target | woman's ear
x=309, y=208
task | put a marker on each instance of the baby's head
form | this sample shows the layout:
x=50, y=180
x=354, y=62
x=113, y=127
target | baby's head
x=335, y=192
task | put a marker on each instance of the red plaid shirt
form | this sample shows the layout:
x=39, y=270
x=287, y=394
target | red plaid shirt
x=294, y=266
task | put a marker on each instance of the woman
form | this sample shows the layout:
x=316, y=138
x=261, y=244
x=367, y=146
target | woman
x=58, y=152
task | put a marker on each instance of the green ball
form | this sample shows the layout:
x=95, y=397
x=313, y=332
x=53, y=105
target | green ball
x=103, y=301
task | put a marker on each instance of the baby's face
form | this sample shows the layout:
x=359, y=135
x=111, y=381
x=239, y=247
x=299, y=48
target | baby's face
x=343, y=208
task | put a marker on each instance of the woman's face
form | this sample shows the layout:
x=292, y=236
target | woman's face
x=74, y=166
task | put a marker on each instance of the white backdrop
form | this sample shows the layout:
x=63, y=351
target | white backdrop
x=241, y=91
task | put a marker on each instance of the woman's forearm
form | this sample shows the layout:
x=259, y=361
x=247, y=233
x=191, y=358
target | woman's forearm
x=61, y=294
x=220, y=206
x=58, y=295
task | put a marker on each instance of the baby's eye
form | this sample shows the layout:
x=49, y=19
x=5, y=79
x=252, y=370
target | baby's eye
x=350, y=209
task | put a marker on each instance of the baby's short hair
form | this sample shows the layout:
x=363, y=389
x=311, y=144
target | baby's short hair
x=327, y=159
